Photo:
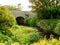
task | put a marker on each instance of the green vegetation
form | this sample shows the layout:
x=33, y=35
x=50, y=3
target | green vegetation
x=57, y=28
x=46, y=9
x=6, y=18
x=32, y=21
x=47, y=42
x=50, y=13
x=21, y=34
x=25, y=35
x=47, y=23
x=10, y=32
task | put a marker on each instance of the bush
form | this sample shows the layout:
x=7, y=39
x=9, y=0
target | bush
x=4, y=38
x=25, y=34
x=32, y=21
x=47, y=25
x=57, y=28
x=7, y=20
x=52, y=12
x=47, y=42
x=6, y=17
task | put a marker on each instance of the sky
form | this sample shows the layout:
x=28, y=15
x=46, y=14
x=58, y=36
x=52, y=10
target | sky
x=24, y=3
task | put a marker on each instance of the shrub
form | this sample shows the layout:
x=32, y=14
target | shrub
x=52, y=12
x=25, y=34
x=6, y=18
x=32, y=21
x=15, y=43
x=47, y=25
x=57, y=28
x=4, y=38
x=47, y=42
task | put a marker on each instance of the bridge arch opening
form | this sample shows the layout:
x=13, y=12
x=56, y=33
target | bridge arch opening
x=20, y=20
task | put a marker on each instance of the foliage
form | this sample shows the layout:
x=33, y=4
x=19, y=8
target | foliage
x=6, y=19
x=57, y=28
x=44, y=3
x=21, y=34
x=5, y=16
x=15, y=43
x=47, y=42
x=25, y=34
x=47, y=25
x=50, y=13
x=46, y=8
x=32, y=21
x=4, y=38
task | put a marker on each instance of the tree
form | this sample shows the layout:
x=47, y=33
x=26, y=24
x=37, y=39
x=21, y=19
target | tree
x=40, y=6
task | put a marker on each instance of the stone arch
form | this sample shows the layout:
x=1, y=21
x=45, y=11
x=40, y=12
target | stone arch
x=20, y=20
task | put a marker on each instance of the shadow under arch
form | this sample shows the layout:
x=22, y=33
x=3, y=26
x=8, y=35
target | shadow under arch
x=20, y=20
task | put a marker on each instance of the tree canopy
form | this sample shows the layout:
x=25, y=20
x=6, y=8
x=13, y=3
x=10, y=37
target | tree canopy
x=41, y=7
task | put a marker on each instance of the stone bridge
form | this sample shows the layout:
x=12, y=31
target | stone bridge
x=23, y=14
